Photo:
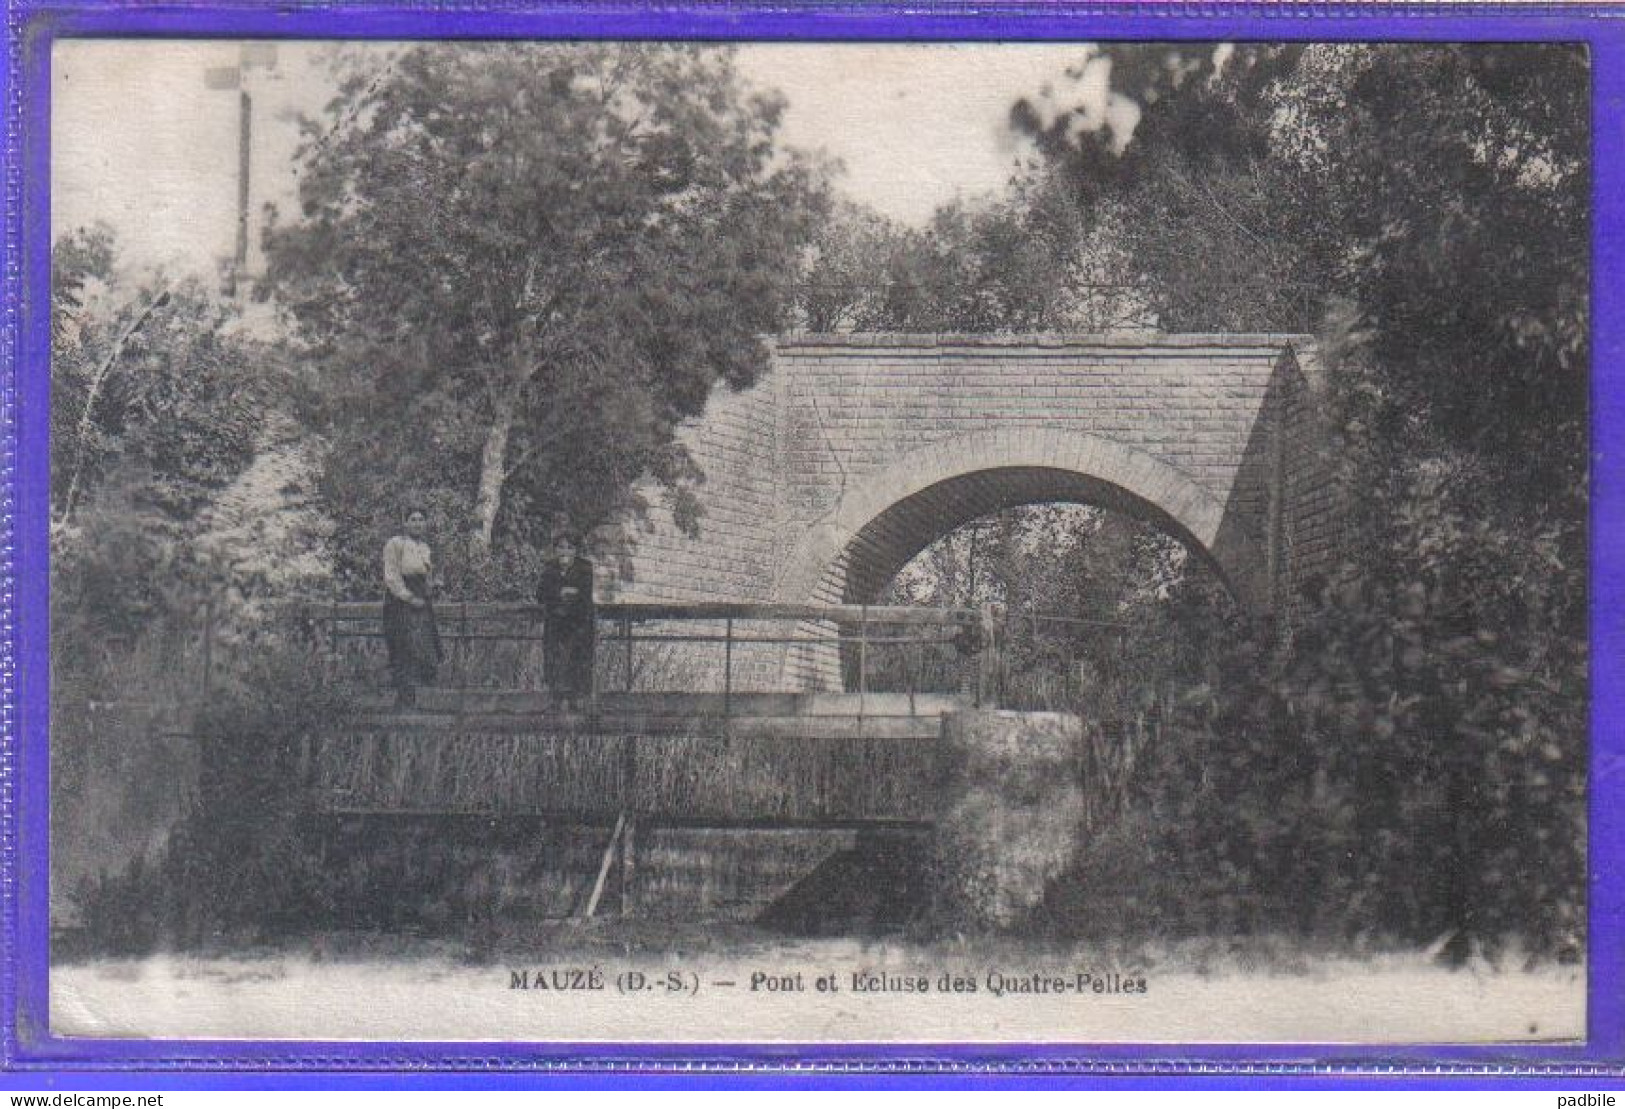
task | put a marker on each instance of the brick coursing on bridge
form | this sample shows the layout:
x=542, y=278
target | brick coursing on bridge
x=853, y=452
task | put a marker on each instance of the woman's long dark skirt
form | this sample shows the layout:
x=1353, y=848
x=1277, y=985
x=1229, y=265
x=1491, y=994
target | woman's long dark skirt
x=570, y=647
x=413, y=640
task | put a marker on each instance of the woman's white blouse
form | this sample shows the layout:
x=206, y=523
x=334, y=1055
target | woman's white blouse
x=404, y=557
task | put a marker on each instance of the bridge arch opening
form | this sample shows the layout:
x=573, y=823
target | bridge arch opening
x=1102, y=613
x=884, y=525
x=888, y=517
x=891, y=540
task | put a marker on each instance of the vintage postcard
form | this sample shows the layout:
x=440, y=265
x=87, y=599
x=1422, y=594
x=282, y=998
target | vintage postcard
x=820, y=543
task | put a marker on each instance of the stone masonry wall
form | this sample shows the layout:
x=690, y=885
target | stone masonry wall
x=1313, y=487
x=857, y=403
x=1211, y=430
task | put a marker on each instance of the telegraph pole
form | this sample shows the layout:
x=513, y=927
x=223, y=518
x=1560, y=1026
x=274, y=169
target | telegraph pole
x=245, y=142
x=236, y=77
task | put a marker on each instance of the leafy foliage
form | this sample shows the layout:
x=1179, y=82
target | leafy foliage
x=238, y=866
x=520, y=265
x=1418, y=755
x=1100, y=612
x=158, y=405
x=1411, y=759
x=161, y=406
x=1028, y=262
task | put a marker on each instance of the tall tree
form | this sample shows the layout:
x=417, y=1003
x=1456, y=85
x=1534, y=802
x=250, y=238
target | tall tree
x=1424, y=209
x=1030, y=260
x=159, y=408
x=155, y=391
x=1425, y=204
x=521, y=265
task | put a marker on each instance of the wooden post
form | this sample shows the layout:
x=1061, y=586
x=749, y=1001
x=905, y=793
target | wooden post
x=629, y=807
x=604, y=864
x=626, y=635
x=467, y=644
x=863, y=661
x=245, y=144
x=592, y=675
x=914, y=651
x=464, y=670
x=629, y=865
x=987, y=681
x=728, y=669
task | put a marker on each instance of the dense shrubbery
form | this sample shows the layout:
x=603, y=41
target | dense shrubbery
x=1410, y=768
x=237, y=864
x=1411, y=763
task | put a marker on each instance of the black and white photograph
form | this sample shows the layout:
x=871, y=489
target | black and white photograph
x=802, y=543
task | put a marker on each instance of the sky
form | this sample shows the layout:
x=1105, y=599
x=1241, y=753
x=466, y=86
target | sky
x=141, y=142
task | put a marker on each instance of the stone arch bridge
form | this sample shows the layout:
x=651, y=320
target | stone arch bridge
x=855, y=452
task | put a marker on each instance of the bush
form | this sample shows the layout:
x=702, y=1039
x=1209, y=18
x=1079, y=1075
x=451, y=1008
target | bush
x=238, y=863
x=1409, y=768
x=1012, y=813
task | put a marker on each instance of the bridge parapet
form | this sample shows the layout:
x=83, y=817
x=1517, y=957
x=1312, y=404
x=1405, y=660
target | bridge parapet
x=498, y=645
